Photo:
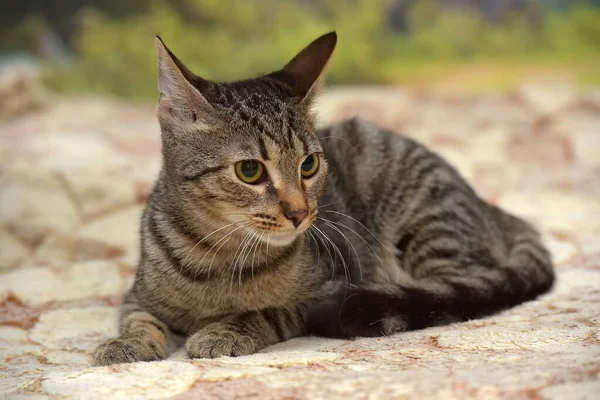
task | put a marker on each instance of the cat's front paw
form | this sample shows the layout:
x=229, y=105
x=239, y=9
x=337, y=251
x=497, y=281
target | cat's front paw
x=214, y=342
x=128, y=350
x=393, y=324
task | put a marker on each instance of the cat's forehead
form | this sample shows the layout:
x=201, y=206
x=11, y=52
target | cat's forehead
x=264, y=107
x=257, y=96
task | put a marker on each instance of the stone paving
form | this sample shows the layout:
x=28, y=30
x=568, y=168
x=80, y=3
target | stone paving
x=73, y=180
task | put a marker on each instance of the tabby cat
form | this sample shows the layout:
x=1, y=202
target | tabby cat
x=261, y=228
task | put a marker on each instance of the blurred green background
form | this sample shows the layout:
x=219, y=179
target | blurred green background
x=107, y=46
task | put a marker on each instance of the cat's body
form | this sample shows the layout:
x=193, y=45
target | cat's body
x=397, y=241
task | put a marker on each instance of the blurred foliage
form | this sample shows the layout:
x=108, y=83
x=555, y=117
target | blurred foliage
x=219, y=40
x=232, y=39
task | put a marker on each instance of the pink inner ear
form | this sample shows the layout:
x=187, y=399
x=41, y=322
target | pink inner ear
x=165, y=85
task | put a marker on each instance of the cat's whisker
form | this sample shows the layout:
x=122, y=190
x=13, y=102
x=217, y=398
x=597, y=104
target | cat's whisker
x=243, y=256
x=206, y=237
x=228, y=235
x=326, y=245
x=339, y=253
x=344, y=263
x=370, y=247
x=332, y=226
x=316, y=248
x=367, y=244
x=214, y=255
x=258, y=247
x=326, y=205
x=234, y=263
x=363, y=226
x=244, y=253
x=268, y=237
x=250, y=246
x=236, y=257
x=343, y=140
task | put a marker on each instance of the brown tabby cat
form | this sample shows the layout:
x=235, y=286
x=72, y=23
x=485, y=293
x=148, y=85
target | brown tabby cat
x=236, y=254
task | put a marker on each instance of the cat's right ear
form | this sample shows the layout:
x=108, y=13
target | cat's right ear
x=180, y=89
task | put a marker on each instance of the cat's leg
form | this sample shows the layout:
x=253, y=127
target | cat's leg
x=455, y=292
x=143, y=337
x=246, y=333
x=455, y=278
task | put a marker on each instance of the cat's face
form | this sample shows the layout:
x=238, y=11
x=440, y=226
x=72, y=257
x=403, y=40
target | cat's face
x=246, y=153
x=264, y=175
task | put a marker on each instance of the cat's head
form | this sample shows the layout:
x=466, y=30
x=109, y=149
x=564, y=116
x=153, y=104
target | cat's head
x=246, y=152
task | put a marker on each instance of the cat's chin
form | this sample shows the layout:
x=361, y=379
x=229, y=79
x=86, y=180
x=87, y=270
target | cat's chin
x=280, y=239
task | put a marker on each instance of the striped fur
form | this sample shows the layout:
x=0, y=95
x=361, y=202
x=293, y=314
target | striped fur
x=459, y=257
x=394, y=239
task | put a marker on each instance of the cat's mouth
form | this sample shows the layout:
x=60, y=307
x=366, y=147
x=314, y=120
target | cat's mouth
x=284, y=238
x=265, y=229
x=276, y=234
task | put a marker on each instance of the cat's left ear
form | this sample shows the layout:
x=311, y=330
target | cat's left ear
x=305, y=71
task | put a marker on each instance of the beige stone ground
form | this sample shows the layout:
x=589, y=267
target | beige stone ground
x=73, y=180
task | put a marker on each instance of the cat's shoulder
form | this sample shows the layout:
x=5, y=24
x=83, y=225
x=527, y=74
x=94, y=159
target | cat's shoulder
x=352, y=125
x=360, y=129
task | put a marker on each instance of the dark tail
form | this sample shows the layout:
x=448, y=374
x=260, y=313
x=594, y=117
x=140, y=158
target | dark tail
x=384, y=309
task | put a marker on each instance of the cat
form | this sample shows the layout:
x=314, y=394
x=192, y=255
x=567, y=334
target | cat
x=261, y=228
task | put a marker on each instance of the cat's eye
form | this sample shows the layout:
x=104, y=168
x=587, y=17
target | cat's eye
x=309, y=166
x=250, y=171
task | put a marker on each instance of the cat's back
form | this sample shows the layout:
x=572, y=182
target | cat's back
x=368, y=160
x=359, y=152
x=356, y=137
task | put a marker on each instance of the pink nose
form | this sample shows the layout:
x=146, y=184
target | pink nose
x=296, y=216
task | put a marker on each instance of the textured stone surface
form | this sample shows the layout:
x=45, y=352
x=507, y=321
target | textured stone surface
x=73, y=180
x=34, y=204
x=115, y=235
x=12, y=252
x=20, y=91
x=95, y=278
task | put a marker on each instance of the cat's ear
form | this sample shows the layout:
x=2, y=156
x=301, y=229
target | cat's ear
x=304, y=73
x=177, y=84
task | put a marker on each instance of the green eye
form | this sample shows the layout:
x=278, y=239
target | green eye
x=309, y=166
x=249, y=171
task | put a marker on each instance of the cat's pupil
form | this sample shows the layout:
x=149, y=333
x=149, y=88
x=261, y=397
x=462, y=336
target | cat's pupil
x=309, y=163
x=250, y=168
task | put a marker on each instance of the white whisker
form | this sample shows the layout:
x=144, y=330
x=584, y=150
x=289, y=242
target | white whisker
x=337, y=250
x=316, y=248
x=332, y=226
x=326, y=245
x=372, y=251
x=258, y=248
x=199, y=265
x=250, y=245
x=268, y=237
x=367, y=229
x=236, y=256
x=343, y=140
x=206, y=237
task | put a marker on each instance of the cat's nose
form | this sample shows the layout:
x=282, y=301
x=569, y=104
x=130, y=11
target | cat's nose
x=296, y=216
x=294, y=211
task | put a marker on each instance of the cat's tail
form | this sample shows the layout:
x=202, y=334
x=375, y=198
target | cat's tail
x=382, y=309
